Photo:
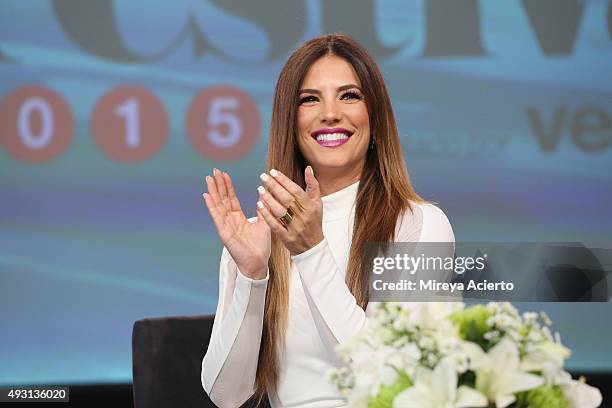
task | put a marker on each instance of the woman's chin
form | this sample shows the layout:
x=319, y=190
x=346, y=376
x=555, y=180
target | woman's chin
x=334, y=166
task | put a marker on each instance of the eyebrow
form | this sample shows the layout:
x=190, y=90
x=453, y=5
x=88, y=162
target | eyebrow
x=340, y=89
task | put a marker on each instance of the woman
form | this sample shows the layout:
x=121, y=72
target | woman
x=291, y=284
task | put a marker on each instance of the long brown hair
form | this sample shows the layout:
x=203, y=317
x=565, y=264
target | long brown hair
x=384, y=189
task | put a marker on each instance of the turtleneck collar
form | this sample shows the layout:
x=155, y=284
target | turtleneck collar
x=339, y=204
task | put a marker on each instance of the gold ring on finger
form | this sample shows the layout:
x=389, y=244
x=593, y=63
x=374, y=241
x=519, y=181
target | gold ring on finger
x=286, y=219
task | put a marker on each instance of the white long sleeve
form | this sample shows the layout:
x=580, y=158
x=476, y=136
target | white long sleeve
x=230, y=364
x=329, y=297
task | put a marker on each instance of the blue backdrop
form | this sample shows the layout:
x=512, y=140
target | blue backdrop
x=504, y=110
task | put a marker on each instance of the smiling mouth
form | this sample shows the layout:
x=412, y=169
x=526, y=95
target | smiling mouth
x=331, y=137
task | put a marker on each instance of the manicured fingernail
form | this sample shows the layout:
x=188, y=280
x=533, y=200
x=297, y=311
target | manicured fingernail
x=310, y=170
x=261, y=190
x=263, y=176
x=215, y=171
x=208, y=178
x=273, y=173
x=260, y=204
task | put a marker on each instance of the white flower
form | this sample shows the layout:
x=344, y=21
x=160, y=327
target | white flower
x=578, y=393
x=427, y=343
x=373, y=367
x=446, y=336
x=359, y=398
x=411, y=351
x=406, y=358
x=422, y=341
x=438, y=389
x=429, y=314
x=461, y=361
x=545, y=318
x=498, y=373
x=547, y=357
x=432, y=359
x=491, y=335
x=530, y=317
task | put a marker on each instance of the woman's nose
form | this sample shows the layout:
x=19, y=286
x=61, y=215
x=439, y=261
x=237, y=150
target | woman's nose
x=330, y=112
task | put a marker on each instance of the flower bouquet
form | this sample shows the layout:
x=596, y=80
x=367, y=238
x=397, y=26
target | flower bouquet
x=443, y=355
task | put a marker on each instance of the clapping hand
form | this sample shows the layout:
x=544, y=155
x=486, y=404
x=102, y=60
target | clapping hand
x=293, y=214
x=248, y=243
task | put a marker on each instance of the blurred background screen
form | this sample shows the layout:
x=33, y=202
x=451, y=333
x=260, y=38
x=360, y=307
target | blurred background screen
x=114, y=111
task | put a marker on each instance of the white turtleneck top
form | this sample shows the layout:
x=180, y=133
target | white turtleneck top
x=322, y=311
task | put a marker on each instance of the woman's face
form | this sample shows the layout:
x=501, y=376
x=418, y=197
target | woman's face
x=332, y=120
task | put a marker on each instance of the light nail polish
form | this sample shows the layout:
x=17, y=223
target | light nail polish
x=273, y=173
x=263, y=176
x=260, y=204
x=261, y=190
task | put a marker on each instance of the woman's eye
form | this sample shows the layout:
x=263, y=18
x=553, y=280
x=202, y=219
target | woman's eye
x=351, y=95
x=309, y=98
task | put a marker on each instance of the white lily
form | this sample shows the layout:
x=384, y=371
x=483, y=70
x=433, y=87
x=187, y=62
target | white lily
x=578, y=393
x=499, y=376
x=438, y=389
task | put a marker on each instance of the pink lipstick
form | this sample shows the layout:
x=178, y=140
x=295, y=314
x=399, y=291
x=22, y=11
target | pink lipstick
x=331, y=137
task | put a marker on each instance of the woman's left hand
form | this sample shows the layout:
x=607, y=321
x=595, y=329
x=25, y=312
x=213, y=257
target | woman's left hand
x=305, y=229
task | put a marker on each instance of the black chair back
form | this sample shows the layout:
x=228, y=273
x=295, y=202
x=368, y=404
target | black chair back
x=167, y=355
x=167, y=358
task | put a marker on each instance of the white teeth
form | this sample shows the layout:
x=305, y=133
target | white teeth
x=331, y=136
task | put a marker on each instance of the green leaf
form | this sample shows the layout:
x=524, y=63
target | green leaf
x=473, y=325
x=387, y=393
x=545, y=396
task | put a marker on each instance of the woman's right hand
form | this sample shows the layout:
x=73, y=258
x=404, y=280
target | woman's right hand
x=248, y=243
